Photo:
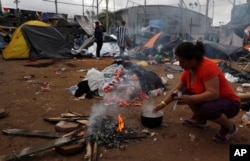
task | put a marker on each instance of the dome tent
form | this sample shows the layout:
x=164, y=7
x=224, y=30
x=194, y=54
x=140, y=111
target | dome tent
x=36, y=40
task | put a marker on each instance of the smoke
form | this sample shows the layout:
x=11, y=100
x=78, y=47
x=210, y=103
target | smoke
x=98, y=111
x=148, y=106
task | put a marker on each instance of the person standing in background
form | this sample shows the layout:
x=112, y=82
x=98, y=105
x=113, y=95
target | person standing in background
x=98, y=34
x=122, y=38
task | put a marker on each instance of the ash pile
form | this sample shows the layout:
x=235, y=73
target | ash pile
x=113, y=133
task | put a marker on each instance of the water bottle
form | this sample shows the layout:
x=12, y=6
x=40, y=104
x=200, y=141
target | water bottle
x=155, y=92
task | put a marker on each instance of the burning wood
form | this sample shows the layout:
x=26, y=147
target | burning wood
x=84, y=122
x=95, y=151
x=87, y=156
x=112, y=133
x=120, y=124
x=106, y=131
x=72, y=148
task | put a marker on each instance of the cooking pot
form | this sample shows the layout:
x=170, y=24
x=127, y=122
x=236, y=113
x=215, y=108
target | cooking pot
x=151, y=120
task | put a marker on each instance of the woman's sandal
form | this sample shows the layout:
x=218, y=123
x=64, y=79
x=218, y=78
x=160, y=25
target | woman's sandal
x=224, y=136
x=194, y=123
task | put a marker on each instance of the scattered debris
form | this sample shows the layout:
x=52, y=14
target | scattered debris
x=170, y=76
x=246, y=119
x=28, y=77
x=60, y=70
x=3, y=113
x=145, y=131
x=81, y=70
x=192, y=136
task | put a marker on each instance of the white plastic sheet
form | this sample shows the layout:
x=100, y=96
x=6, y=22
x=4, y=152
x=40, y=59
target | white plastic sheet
x=95, y=78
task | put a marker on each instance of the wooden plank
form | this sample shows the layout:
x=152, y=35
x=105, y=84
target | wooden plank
x=32, y=133
x=39, y=148
x=72, y=148
x=57, y=119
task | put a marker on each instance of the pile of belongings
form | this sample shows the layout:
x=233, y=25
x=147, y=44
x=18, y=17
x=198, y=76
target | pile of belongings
x=123, y=84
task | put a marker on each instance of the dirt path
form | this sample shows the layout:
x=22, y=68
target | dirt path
x=27, y=104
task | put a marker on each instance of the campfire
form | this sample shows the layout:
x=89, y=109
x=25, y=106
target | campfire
x=112, y=133
x=120, y=124
x=105, y=130
x=109, y=132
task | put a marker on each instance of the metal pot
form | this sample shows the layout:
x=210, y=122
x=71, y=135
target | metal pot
x=151, y=120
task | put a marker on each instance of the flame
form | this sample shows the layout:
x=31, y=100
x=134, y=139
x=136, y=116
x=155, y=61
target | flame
x=80, y=133
x=120, y=124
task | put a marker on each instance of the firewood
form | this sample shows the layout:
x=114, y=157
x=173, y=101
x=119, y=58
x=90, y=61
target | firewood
x=76, y=117
x=68, y=114
x=71, y=148
x=65, y=126
x=95, y=151
x=28, y=151
x=32, y=133
x=75, y=113
x=87, y=156
x=57, y=119
x=84, y=122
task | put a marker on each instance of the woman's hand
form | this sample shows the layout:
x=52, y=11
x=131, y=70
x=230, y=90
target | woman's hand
x=184, y=99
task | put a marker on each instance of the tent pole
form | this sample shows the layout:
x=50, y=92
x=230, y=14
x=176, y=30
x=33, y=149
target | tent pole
x=56, y=7
x=206, y=15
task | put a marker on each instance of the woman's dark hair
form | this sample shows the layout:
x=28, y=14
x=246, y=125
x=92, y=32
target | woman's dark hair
x=188, y=50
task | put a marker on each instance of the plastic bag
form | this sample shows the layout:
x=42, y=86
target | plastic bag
x=95, y=78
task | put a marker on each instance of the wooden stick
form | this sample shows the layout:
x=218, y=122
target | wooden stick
x=38, y=148
x=84, y=122
x=95, y=151
x=87, y=156
x=32, y=133
x=75, y=113
x=57, y=119
x=73, y=132
x=67, y=114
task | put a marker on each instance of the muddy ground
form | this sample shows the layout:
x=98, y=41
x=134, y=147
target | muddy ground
x=27, y=105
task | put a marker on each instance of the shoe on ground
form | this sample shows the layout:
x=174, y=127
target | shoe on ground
x=225, y=135
x=195, y=123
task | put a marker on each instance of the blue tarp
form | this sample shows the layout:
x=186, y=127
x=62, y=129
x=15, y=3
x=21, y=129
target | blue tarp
x=157, y=23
